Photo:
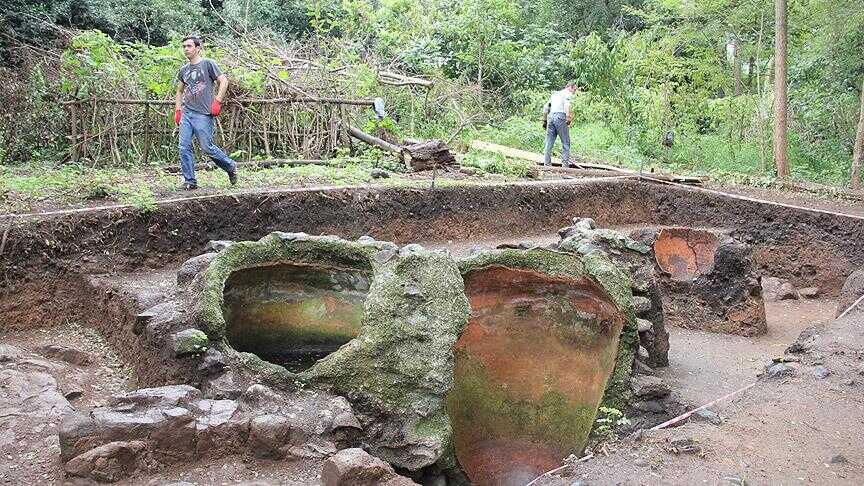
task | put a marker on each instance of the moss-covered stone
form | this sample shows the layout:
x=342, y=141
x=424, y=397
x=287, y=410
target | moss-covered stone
x=189, y=342
x=401, y=364
x=399, y=367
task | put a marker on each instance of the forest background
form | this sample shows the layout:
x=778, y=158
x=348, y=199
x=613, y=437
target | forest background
x=701, y=70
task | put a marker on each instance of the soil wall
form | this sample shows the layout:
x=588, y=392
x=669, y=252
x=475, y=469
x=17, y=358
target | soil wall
x=810, y=248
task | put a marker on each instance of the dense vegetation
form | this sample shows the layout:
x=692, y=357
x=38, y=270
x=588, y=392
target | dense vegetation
x=699, y=69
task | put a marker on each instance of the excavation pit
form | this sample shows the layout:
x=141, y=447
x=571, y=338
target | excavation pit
x=78, y=267
x=294, y=315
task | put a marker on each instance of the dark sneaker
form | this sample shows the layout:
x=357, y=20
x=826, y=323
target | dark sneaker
x=232, y=177
x=188, y=186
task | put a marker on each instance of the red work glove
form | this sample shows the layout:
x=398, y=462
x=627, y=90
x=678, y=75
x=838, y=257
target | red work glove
x=216, y=107
x=177, y=115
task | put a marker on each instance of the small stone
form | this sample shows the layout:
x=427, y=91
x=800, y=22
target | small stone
x=217, y=245
x=736, y=480
x=771, y=288
x=584, y=223
x=809, y=292
x=709, y=416
x=779, y=370
x=189, y=341
x=155, y=319
x=107, y=463
x=267, y=434
x=291, y=236
x=468, y=171
x=213, y=362
x=644, y=325
x=66, y=354
x=578, y=483
x=641, y=304
x=643, y=353
x=682, y=441
x=379, y=174
x=410, y=249
x=366, y=240
x=411, y=290
x=787, y=292
x=356, y=467
x=193, y=266
x=642, y=462
x=839, y=459
x=222, y=387
x=345, y=419
x=646, y=386
x=821, y=372
x=650, y=406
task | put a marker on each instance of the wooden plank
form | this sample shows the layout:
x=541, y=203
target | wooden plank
x=538, y=158
x=506, y=151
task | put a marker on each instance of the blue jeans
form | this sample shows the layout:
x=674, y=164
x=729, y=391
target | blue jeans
x=201, y=126
x=556, y=125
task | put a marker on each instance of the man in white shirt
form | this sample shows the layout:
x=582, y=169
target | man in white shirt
x=558, y=124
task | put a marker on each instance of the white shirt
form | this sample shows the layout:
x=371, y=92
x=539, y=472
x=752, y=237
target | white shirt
x=560, y=101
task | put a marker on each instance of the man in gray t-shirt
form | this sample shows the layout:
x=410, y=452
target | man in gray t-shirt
x=195, y=106
x=199, y=80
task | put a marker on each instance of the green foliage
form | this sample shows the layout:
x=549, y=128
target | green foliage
x=608, y=421
x=644, y=68
x=497, y=164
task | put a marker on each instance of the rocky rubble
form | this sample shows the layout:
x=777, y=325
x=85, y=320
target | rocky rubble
x=853, y=289
x=178, y=424
x=356, y=467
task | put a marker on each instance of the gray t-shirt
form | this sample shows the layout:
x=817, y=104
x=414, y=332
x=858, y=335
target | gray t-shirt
x=198, y=78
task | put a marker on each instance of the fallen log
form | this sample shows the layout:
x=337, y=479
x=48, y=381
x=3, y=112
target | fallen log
x=417, y=156
x=375, y=141
x=431, y=154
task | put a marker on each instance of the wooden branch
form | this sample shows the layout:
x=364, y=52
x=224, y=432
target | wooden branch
x=389, y=77
x=372, y=140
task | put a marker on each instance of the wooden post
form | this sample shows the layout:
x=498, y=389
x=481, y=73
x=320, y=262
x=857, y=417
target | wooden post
x=781, y=145
x=73, y=118
x=145, y=157
x=858, y=150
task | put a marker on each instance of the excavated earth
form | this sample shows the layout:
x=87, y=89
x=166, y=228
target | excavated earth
x=74, y=286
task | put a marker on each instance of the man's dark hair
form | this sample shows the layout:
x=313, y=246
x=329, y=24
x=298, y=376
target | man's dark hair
x=194, y=38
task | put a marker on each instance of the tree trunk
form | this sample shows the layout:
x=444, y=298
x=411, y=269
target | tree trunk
x=780, y=112
x=736, y=68
x=858, y=151
x=752, y=66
